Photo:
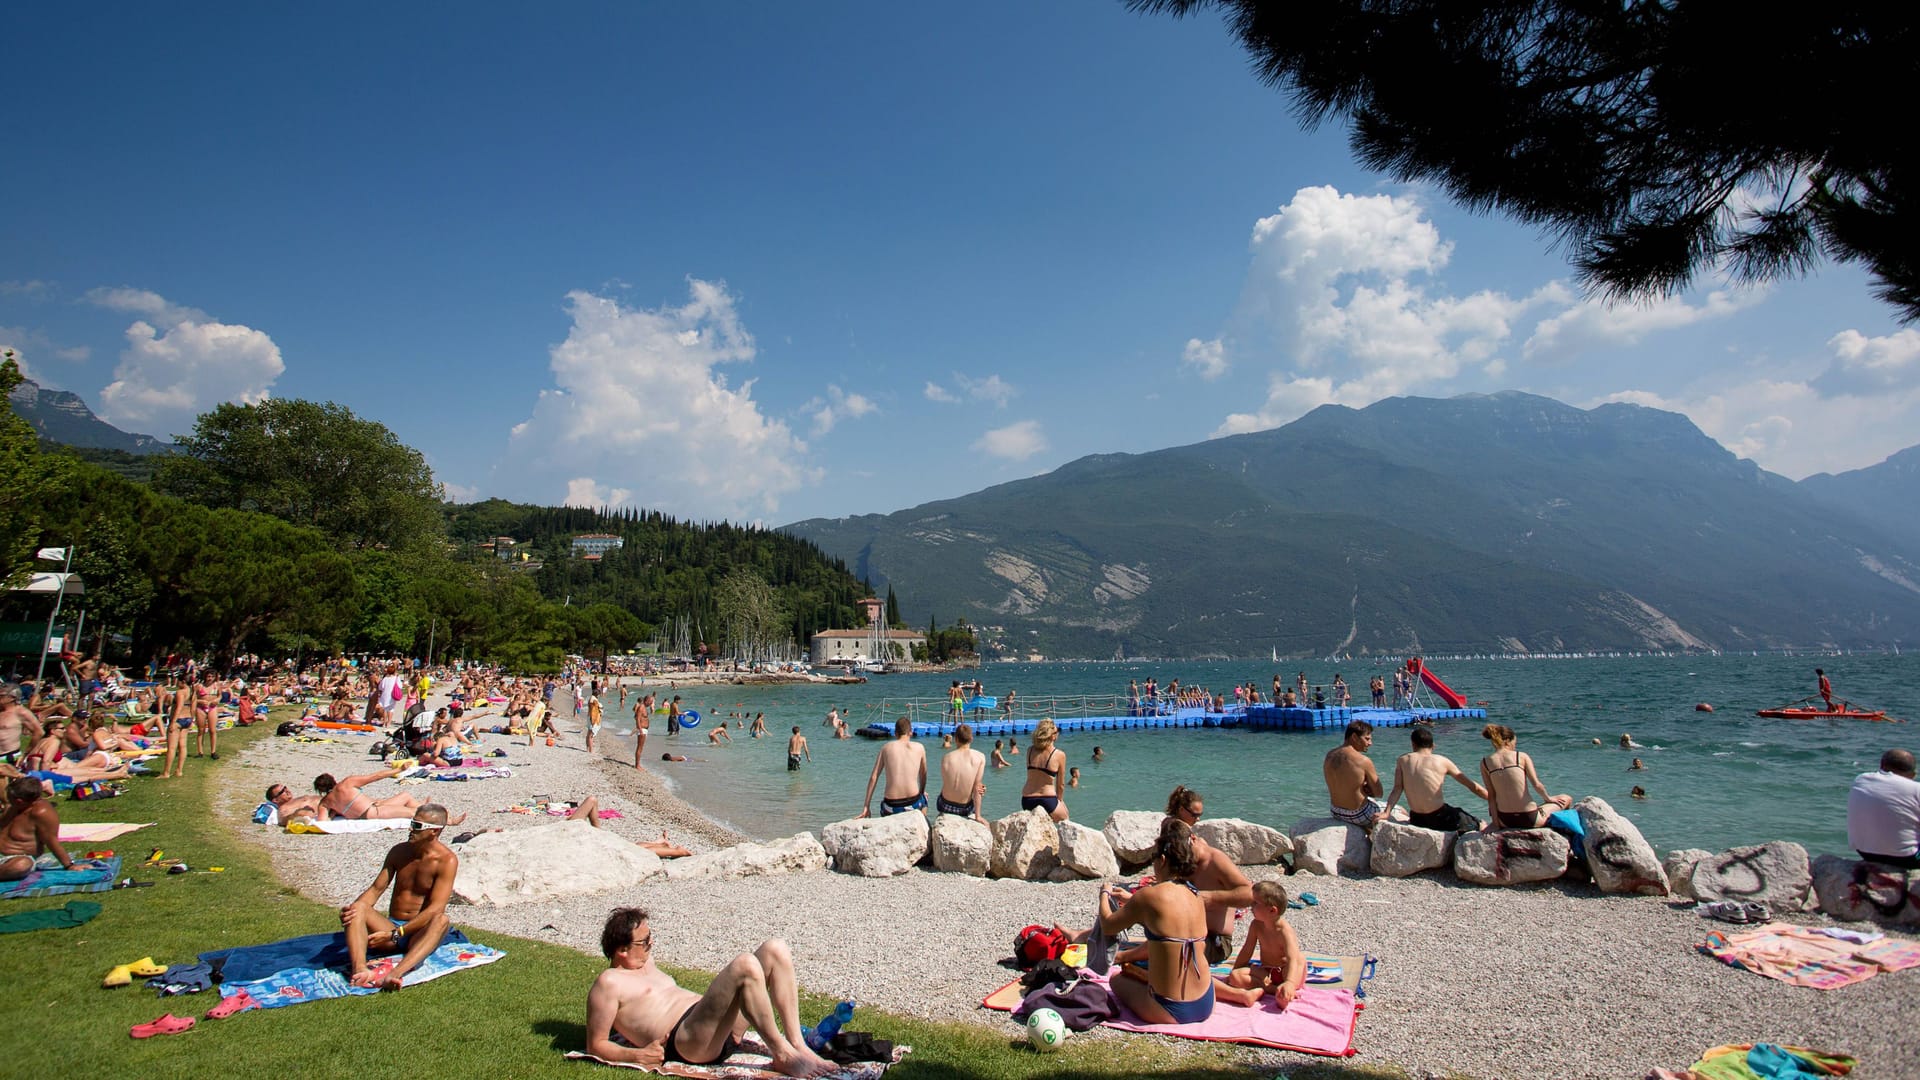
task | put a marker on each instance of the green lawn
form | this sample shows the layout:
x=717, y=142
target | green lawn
x=511, y=1019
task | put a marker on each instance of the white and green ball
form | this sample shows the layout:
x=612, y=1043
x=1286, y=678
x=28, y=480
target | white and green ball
x=1045, y=1030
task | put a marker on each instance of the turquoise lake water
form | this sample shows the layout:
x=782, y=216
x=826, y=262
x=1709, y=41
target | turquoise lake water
x=1713, y=780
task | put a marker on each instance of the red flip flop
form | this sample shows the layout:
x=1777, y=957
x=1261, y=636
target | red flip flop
x=166, y=1025
x=233, y=1003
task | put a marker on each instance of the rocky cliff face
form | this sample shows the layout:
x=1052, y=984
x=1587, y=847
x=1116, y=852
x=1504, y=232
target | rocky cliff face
x=62, y=416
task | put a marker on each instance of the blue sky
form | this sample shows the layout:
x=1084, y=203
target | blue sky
x=769, y=262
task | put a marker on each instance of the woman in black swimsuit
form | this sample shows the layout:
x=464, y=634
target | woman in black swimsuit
x=1045, y=765
x=1508, y=774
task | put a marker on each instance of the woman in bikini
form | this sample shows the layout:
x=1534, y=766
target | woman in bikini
x=179, y=697
x=206, y=697
x=1508, y=775
x=344, y=799
x=1045, y=766
x=1165, y=981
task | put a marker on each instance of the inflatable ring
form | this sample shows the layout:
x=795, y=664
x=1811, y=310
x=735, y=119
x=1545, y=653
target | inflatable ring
x=689, y=719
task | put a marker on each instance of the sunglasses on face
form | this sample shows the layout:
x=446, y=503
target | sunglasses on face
x=645, y=942
x=420, y=826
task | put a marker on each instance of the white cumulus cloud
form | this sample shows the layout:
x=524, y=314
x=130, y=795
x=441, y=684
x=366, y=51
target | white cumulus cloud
x=1865, y=365
x=1208, y=359
x=181, y=364
x=936, y=392
x=837, y=405
x=1015, y=442
x=640, y=414
x=1594, y=323
x=992, y=389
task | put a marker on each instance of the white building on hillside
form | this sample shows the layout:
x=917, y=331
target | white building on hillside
x=840, y=646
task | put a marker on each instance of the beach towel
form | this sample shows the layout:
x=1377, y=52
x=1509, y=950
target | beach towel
x=73, y=914
x=338, y=826
x=750, y=1062
x=1802, y=956
x=97, y=832
x=87, y=875
x=1320, y=1021
x=1331, y=972
x=1766, y=1061
x=314, y=967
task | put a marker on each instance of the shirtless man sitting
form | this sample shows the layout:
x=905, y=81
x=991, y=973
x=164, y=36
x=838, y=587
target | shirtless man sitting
x=1353, y=785
x=19, y=728
x=962, y=770
x=344, y=799
x=421, y=870
x=1421, y=775
x=657, y=1021
x=905, y=763
x=29, y=829
x=1224, y=887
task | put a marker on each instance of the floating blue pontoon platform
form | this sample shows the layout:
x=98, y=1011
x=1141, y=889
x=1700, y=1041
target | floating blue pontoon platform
x=1261, y=717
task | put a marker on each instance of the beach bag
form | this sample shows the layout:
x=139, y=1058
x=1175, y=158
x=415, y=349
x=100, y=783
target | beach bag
x=287, y=727
x=1036, y=943
x=1082, y=1004
x=264, y=813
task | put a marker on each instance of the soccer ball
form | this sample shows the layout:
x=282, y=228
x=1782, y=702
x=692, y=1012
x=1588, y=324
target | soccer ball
x=1045, y=1030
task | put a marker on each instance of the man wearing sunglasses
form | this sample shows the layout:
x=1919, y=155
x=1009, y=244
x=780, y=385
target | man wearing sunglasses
x=658, y=1021
x=421, y=870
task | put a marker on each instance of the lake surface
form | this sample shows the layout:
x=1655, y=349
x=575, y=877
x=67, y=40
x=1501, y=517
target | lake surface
x=1714, y=780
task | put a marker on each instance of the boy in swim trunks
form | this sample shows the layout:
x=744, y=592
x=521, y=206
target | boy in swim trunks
x=1281, y=967
x=796, y=748
x=637, y=1014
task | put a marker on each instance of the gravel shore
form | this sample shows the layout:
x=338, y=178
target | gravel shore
x=1546, y=981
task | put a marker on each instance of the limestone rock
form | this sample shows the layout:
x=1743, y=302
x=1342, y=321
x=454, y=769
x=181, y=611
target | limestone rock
x=876, y=847
x=1086, y=852
x=1246, y=843
x=1679, y=870
x=1134, y=835
x=1025, y=846
x=1511, y=856
x=795, y=855
x=1400, y=850
x=1856, y=891
x=1326, y=846
x=961, y=845
x=570, y=858
x=1621, y=859
x=1775, y=874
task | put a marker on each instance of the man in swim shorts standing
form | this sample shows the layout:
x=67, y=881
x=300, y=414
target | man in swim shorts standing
x=1421, y=775
x=1353, y=785
x=905, y=763
x=421, y=870
x=642, y=716
x=659, y=1021
x=796, y=749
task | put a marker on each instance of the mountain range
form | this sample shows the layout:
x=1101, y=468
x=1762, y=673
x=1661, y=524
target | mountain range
x=1484, y=523
x=61, y=416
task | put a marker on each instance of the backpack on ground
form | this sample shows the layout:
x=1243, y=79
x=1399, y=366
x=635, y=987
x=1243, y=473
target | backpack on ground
x=1036, y=943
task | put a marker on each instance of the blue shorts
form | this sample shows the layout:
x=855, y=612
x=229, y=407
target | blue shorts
x=889, y=807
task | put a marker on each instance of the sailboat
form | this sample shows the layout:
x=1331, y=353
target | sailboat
x=1276, y=653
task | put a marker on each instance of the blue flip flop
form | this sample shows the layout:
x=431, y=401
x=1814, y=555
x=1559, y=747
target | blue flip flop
x=1309, y=899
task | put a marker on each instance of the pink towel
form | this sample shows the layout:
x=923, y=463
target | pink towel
x=1320, y=1021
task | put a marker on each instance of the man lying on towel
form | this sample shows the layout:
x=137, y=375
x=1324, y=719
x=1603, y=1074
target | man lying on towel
x=421, y=870
x=660, y=1021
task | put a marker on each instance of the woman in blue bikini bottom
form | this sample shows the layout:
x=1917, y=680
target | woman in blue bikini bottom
x=1174, y=986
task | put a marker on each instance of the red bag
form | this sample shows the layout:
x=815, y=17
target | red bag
x=1036, y=943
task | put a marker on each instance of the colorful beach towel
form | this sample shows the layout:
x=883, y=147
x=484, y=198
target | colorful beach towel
x=97, y=832
x=1767, y=1061
x=1331, y=972
x=751, y=1062
x=87, y=875
x=1802, y=956
x=313, y=968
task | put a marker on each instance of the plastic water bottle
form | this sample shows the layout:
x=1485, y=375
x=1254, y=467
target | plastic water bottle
x=830, y=1025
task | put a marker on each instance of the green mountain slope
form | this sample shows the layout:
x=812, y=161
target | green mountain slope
x=1506, y=523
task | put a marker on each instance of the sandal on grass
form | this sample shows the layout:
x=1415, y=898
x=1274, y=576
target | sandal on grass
x=166, y=1025
x=234, y=1003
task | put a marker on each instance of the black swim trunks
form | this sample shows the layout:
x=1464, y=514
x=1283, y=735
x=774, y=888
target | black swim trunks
x=901, y=806
x=672, y=1048
x=1446, y=819
x=941, y=804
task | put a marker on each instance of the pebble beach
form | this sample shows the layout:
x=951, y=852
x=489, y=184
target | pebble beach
x=1557, y=980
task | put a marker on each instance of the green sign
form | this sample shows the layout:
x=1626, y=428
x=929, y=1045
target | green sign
x=25, y=638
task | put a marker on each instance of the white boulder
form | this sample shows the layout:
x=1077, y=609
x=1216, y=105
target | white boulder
x=1620, y=858
x=1856, y=891
x=1086, y=852
x=794, y=855
x=1401, y=850
x=876, y=847
x=570, y=858
x=1134, y=835
x=1510, y=856
x=1776, y=874
x=1327, y=846
x=1025, y=846
x=1678, y=867
x=961, y=845
x=1245, y=842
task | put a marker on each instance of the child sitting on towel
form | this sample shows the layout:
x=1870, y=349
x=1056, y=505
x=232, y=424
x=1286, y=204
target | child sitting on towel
x=1281, y=966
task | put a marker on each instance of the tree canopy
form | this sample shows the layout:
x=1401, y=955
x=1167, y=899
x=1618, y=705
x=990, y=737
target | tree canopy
x=1657, y=140
x=310, y=464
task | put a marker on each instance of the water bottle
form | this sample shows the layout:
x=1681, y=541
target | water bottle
x=830, y=1025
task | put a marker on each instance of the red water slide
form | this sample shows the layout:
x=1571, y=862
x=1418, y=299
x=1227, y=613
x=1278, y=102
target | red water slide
x=1447, y=694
